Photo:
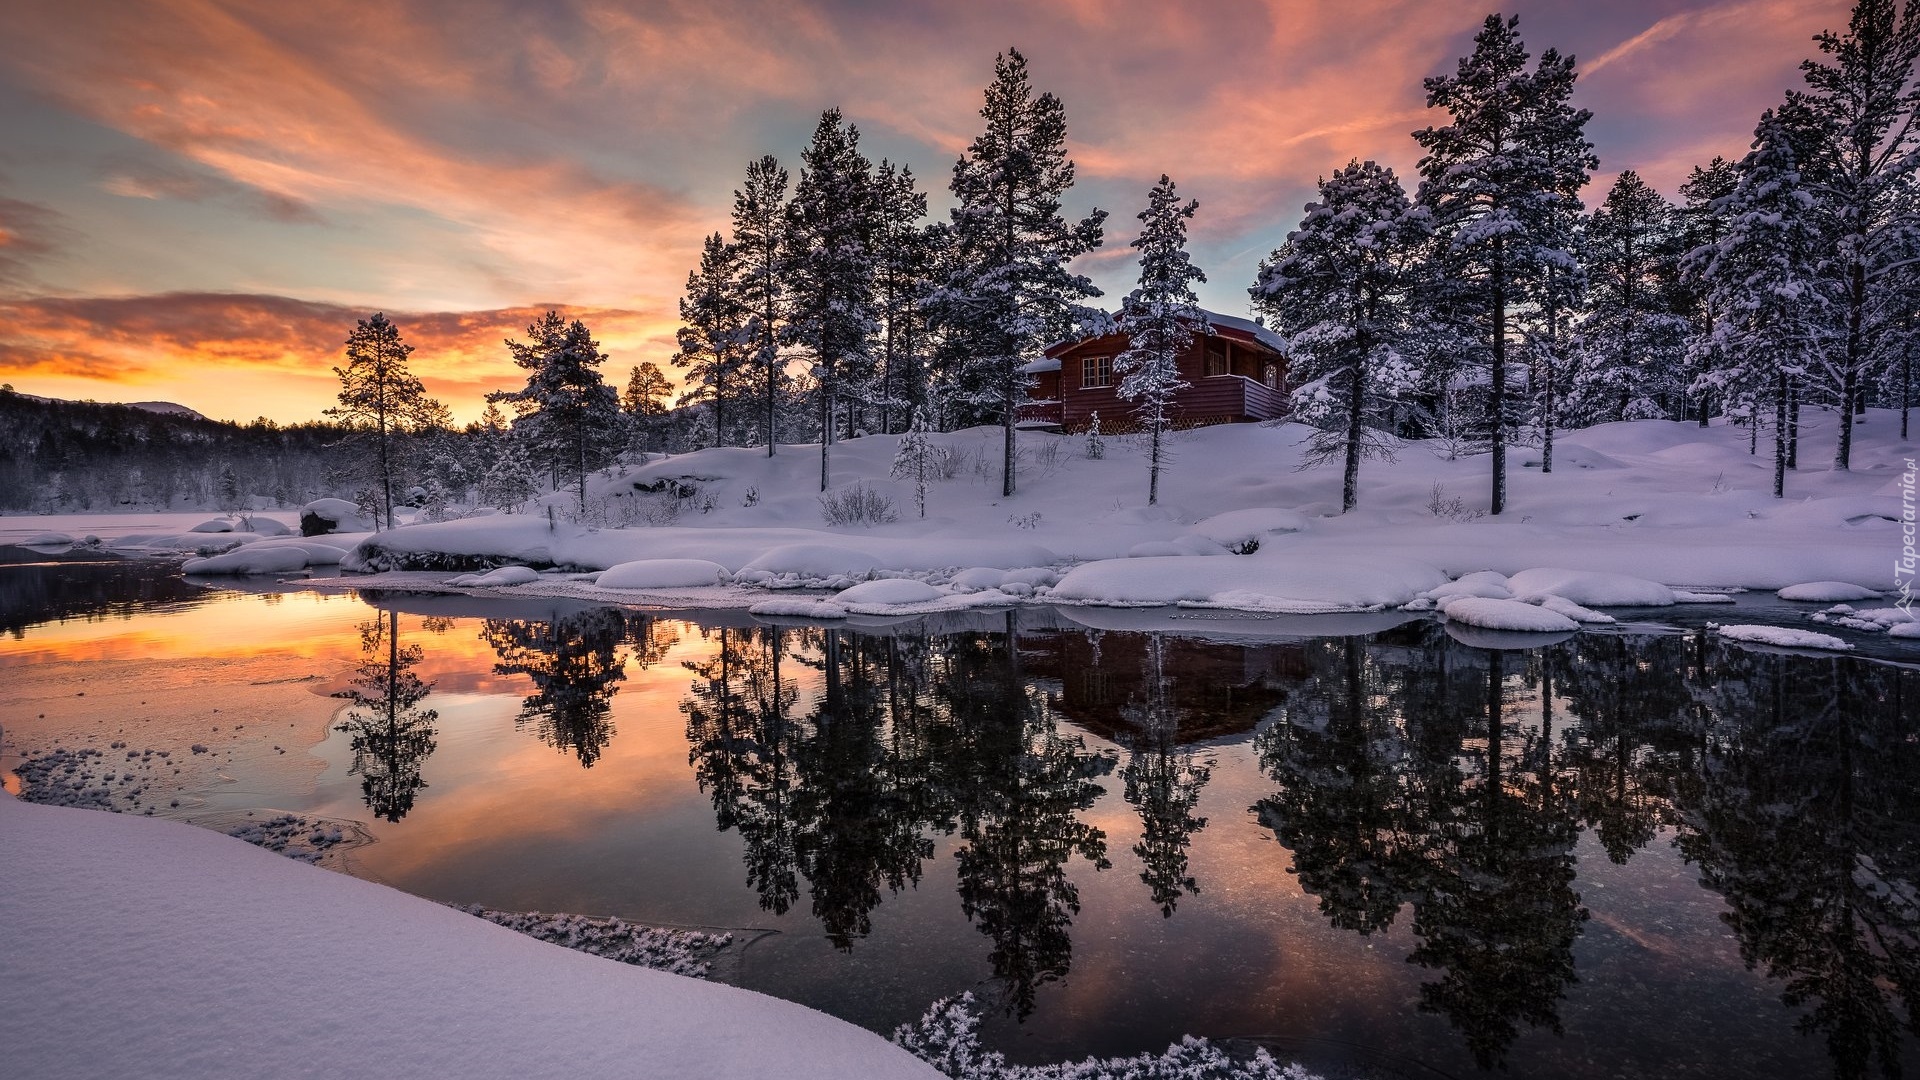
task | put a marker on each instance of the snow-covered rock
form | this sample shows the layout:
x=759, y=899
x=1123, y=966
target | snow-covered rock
x=1827, y=592
x=251, y=559
x=1563, y=606
x=1481, y=583
x=1262, y=582
x=1491, y=613
x=662, y=574
x=48, y=540
x=1241, y=528
x=323, y=516
x=216, y=525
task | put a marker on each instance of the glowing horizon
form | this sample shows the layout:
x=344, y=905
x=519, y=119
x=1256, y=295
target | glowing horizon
x=199, y=198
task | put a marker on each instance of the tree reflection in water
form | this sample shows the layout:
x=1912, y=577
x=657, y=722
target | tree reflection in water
x=1411, y=773
x=574, y=662
x=1407, y=777
x=388, y=732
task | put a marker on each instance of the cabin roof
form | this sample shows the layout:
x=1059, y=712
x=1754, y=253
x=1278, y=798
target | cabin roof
x=1236, y=327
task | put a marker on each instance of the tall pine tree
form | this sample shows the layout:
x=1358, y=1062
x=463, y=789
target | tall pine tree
x=1496, y=178
x=1343, y=289
x=1160, y=319
x=902, y=264
x=1766, y=285
x=1008, y=292
x=1862, y=129
x=1633, y=337
x=1703, y=223
x=830, y=267
x=383, y=402
x=566, y=410
x=759, y=232
x=714, y=337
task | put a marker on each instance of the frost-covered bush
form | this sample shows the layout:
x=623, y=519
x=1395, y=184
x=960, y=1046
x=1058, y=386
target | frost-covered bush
x=1451, y=507
x=856, y=504
x=947, y=1038
x=954, y=460
x=683, y=952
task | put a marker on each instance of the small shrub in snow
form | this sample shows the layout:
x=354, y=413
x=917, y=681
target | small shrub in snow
x=1451, y=507
x=856, y=504
x=947, y=1038
x=752, y=498
x=953, y=461
x=1096, y=446
x=683, y=952
x=1024, y=521
x=1046, y=458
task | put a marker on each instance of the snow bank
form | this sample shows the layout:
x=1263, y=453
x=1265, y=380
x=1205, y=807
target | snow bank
x=48, y=539
x=1490, y=613
x=1481, y=583
x=1827, y=592
x=1262, y=582
x=662, y=574
x=1781, y=636
x=137, y=947
x=1237, y=528
x=1592, y=588
x=798, y=607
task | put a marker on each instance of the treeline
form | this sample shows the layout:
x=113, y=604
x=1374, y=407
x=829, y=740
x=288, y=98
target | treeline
x=80, y=455
x=1487, y=307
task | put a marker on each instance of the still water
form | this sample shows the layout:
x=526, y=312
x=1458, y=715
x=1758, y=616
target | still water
x=1390, y=854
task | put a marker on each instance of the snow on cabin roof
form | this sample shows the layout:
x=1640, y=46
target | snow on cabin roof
x=1045, y=363
x=1248, y=327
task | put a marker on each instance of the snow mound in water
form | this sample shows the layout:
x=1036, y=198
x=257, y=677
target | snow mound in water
x=252, y=559
x=506, y=575
x=217, y=525
x=661, y=574
x=48, y=539
x=1261, y=582
x=1592, y=588
x=1563, y=606
x=1491, y=613
x=1782, y=636
x=889, y=591
x=1827, y=592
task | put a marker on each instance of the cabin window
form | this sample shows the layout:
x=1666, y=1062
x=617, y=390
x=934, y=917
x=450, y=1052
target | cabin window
x=1273, y=376
x=1096, y=371
x=1217, y=358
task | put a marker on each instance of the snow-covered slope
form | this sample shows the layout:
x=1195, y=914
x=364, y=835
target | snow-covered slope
x=136, y=947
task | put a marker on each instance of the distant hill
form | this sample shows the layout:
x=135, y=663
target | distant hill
x=164, y=408
x=167, y=408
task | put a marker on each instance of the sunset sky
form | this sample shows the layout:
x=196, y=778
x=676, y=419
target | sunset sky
x=197, y=199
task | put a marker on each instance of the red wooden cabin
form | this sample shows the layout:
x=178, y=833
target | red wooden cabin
x=1236, y=374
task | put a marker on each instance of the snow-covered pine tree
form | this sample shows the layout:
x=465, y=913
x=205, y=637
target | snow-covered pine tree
x=1008, y=291
x=1766, y=284
x=1160, y=319
x=226, y=489
x=713, y=336
x=1897, y=313
x=1703, y=223
x=1343, y=289
x=916, y=459
x=382, y=402
x=509, y=480
x=759, y=233
x=901, y=283
x=1631, y=343
x=830, y=268
x=1096, y=446
x=566, y=410
x=1860, y=122
x=1494, y=179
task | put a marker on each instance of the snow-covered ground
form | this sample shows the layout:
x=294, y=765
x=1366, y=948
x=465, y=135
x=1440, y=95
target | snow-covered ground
x=1639, y=513
x=138, y=947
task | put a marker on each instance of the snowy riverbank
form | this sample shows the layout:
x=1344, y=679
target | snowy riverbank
x=1684, y=512
x=138, y=947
